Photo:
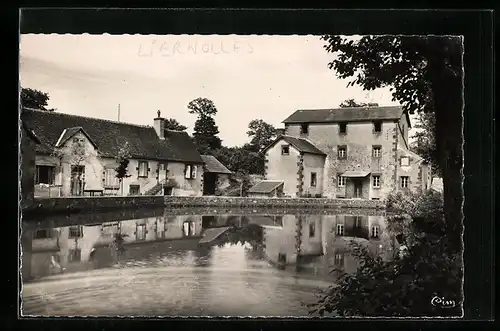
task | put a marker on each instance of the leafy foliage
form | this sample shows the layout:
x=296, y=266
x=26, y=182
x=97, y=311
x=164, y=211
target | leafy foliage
x=123, y=159
x=31, y=98
x=262, y=134
x=350, y=103
x=402, y=287
x=425, y=141
x=205, y=130
x=173, y=124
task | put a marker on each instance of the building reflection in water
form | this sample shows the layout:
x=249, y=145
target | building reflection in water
x=315, y=243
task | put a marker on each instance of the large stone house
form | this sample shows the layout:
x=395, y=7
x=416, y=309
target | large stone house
x=78, y=156
x=346, y=153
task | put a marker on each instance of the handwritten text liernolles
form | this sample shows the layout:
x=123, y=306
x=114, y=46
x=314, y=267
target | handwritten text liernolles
x=166, y=49
x=442, y=302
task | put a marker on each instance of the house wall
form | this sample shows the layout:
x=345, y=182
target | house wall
x=359, y=141
x=281, y=241
x=311, y=242
x=284, y=167
x=313, y=163
x=417, y=171
x=27, y=169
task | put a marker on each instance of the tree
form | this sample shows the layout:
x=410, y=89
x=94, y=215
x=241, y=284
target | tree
x=31, y=98
x=425, y=74
x=425, y=141
x=351, y=103
x=262, y=134
x=173, y=124
x=123, y=156
x=205, y=130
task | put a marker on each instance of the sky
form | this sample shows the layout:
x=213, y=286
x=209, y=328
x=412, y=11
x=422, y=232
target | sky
x=247, y=77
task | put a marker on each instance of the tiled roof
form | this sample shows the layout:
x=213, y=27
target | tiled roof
x=70, y=132
x=354, y=114
x=302, y=145
x=265, y=186
x=31, y=134
x=214, y=165
x=109, y=135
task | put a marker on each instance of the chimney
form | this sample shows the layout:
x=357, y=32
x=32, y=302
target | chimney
x=159, y=125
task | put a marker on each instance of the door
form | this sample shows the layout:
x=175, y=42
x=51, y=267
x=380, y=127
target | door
x=77, y=179
x=358, y=188
x=209, y=183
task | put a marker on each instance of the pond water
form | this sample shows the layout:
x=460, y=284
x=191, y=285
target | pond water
x=175, y=263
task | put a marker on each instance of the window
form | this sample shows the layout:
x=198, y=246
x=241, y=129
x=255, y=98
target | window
x=76, y=231
x=375, y=231
x=278, y=221
x=42, y=234
x=313, y=179
x=405, y=181
x=341, y=181
x=190, y=171
x=338, y=260
x=357, y=221
x=110, y=179
x=312, y=229
x=340, y=229
x=285, y=150
x=143, y=169
x=377, y=151
x=405, y=161
x=75, y=255
x=304, y=128
x=281, y=258
x=140, y=232
x=376, y=181
x=342, y=152
x=134, y=189
x=45, y=174
x=377, y=127
x=110, y=229
x=188, y=228
x=342, y=128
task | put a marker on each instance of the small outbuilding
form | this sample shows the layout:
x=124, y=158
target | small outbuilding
x=215, y=175
x=267, y=189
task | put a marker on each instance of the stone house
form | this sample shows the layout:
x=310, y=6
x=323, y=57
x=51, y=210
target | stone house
x=346, y=153
x=77, y=156
x=296, y=162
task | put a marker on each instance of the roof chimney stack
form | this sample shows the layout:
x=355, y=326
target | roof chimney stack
x=159, y=125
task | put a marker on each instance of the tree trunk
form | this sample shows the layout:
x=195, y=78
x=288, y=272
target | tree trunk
x=447, y=90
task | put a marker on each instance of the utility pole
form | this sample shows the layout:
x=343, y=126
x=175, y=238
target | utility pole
x=118, y=112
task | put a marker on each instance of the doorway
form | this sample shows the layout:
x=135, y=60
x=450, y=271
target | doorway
x=209, y=183
x=358, y=188
x=77, y=179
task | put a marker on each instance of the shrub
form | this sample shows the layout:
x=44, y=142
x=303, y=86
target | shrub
x=406, y=285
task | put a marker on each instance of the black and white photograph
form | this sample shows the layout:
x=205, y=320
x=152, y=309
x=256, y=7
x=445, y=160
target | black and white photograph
x=186, y=175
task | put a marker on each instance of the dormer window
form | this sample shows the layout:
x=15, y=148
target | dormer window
x=285, y=150
x=304, y=128
x=343, y=128
x=377, y=126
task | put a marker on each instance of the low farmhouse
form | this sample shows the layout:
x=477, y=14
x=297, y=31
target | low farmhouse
x=358, y=153
x=79, y=156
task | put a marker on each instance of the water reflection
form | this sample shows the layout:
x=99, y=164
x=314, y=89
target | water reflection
x=261, y=265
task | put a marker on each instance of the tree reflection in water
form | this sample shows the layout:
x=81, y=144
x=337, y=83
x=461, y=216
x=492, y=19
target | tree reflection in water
x=251, y=234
